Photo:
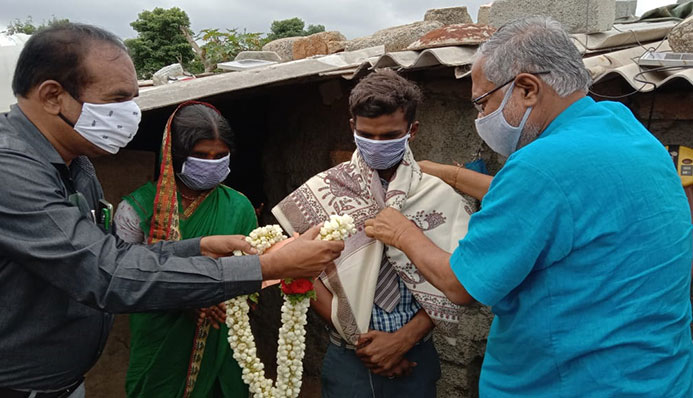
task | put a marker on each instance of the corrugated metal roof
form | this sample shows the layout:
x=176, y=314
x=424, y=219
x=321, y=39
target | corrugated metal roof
x=622, y=35
x=170, y=94
x=623, y=64
x=351, y=64
x=347, y=65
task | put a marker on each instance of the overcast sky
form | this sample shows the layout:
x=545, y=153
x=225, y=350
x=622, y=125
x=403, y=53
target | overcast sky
x=353, y=18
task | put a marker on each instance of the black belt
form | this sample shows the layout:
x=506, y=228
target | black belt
x=10, y=393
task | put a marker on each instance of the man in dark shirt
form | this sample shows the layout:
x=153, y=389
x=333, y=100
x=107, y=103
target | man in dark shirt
x=61, y=273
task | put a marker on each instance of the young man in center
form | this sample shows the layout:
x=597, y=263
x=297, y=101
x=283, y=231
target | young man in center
x=380, y=309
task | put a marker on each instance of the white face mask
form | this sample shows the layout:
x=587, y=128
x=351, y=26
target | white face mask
x=108, y=126
x=495, y=130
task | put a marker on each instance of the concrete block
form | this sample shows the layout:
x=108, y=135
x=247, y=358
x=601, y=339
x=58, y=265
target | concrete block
x=161, y=76
x=483, y=17
x=576, y=16
x=449, y=15
x=261, y=55
x=625, y=9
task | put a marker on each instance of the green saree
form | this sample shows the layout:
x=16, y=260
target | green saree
x=161, y=342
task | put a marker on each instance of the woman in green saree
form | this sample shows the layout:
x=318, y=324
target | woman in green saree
x=176, y=353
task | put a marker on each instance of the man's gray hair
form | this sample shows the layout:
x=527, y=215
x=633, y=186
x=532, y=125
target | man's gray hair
x=535, y=44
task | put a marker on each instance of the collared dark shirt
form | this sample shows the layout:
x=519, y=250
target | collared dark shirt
x=61, y=275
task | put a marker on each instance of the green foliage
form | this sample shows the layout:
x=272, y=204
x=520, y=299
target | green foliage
x=27, y=26
x=160, y=40
x=292, y=27
x=314, y=29
x=164, y=37
x=224, y=46
x=286, y=28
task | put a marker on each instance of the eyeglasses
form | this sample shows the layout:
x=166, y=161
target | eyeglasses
x=479, y=107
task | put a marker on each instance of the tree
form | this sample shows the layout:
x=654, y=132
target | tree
x=292, y=27
x=222, y=46
x=160, y=40
x=314, y=29
x=27, y=26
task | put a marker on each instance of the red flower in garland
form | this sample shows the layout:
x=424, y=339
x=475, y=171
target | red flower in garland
x=297, y=286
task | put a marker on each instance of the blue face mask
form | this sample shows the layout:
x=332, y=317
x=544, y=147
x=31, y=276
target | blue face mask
x=203, y=174
x=381, y=154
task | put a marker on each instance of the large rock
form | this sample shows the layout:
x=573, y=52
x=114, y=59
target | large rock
x=448, y=16
x=283, y=47
x=261, y=55
x=322, y=43
x=576, y=16
x=454, y=35
x=681, y=37
x=625, y=9
x=483, y=17
x=396, y=38
x=161, y=76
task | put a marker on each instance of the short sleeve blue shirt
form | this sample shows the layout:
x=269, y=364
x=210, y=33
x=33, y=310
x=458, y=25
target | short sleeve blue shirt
x=583, y=248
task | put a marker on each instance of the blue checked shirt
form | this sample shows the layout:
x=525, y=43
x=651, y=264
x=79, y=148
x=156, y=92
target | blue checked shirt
x=405, y=310
x=402, y=313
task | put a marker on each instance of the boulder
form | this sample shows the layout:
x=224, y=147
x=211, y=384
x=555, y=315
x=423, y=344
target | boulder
x=449, y=15
x=161, y=76
x=261, y=55
x=681, y=37
x=396, y=38
x=321, y=43
x=576, y=16
x=283, y=47
x=483, y=17
x=454, y=35
x=336, y=46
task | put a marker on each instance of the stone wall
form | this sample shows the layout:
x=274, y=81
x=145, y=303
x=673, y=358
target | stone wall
x=119, y=175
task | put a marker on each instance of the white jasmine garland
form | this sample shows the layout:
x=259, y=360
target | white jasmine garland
x=292, y=334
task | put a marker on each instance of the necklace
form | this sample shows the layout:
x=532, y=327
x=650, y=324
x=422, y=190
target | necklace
x=291, y=344
x=190, y=198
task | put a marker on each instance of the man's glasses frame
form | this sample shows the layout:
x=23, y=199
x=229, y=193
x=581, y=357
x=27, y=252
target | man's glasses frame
x=479, y=107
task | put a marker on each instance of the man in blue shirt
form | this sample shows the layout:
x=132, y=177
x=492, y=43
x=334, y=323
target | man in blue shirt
x=583, y=243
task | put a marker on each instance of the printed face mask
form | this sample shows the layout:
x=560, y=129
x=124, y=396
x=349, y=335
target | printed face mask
x=495, y=130
x=108, y=126
x=381, y=154
x=203, y=174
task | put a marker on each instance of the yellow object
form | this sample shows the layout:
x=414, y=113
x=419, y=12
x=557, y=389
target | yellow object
x=683, y=160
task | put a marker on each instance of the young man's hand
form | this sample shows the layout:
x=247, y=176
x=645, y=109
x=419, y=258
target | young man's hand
x=381, y=351
x=402, y=369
